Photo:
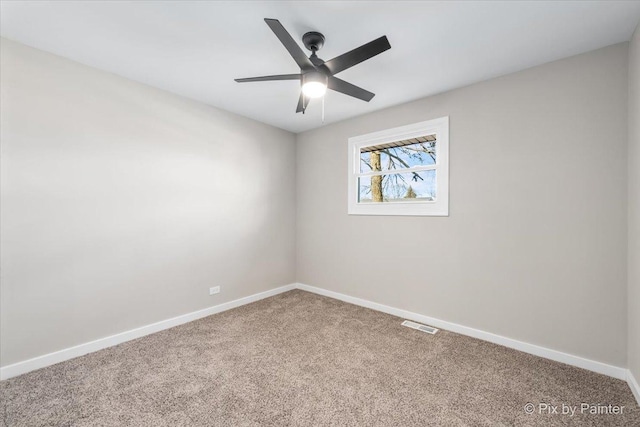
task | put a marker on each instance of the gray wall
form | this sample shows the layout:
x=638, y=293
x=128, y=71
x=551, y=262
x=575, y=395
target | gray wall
x=125, y=203
x=634, y=205
x=122, y=204
x=535, y=245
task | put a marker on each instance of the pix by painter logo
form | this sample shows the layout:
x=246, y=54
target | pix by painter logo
x=545, y=408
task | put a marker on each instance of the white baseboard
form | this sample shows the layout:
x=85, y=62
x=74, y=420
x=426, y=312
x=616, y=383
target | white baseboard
x=633, y=384
x=558, y=356
x=99, y=344
x=89, y=347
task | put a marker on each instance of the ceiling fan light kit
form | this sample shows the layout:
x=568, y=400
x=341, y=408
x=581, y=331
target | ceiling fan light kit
x=314, y=84
x=317, y=75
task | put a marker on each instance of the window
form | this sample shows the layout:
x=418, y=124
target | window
x=401, y=171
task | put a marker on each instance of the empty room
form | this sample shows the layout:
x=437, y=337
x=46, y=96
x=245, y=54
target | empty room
x=319, y=213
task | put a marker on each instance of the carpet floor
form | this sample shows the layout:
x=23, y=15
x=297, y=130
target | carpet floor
x=299, y=359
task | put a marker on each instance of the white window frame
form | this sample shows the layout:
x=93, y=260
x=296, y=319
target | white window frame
x=438, y=207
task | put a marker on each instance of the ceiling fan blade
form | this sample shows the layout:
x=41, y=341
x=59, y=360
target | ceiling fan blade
x=285, y=38
x=270, y=78
x=357, y=55
x=341, y=86
x=303, y=101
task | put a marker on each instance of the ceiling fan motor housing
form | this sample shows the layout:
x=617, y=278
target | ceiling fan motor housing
x=314, y=76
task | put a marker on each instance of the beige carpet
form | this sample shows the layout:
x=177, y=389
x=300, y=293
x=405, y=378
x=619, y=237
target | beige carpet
x=305, y=360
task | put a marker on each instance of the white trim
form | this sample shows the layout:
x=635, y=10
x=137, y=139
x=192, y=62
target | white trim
x=398, y=171
x=633, y=384
x=101, y=343
x=437, y=207
x=558, y=356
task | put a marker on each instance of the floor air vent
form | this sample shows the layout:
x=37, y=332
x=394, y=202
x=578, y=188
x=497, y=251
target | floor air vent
x=428, y=329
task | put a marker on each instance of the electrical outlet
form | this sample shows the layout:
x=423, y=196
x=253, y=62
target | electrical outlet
x=214, y=290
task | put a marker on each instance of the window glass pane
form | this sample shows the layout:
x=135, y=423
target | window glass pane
x=398, y=187
x=399, y=155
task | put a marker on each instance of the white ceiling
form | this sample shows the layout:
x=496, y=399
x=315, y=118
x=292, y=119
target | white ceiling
x=196, y=49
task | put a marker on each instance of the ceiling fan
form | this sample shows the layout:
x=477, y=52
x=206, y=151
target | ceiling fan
x=317, y=75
